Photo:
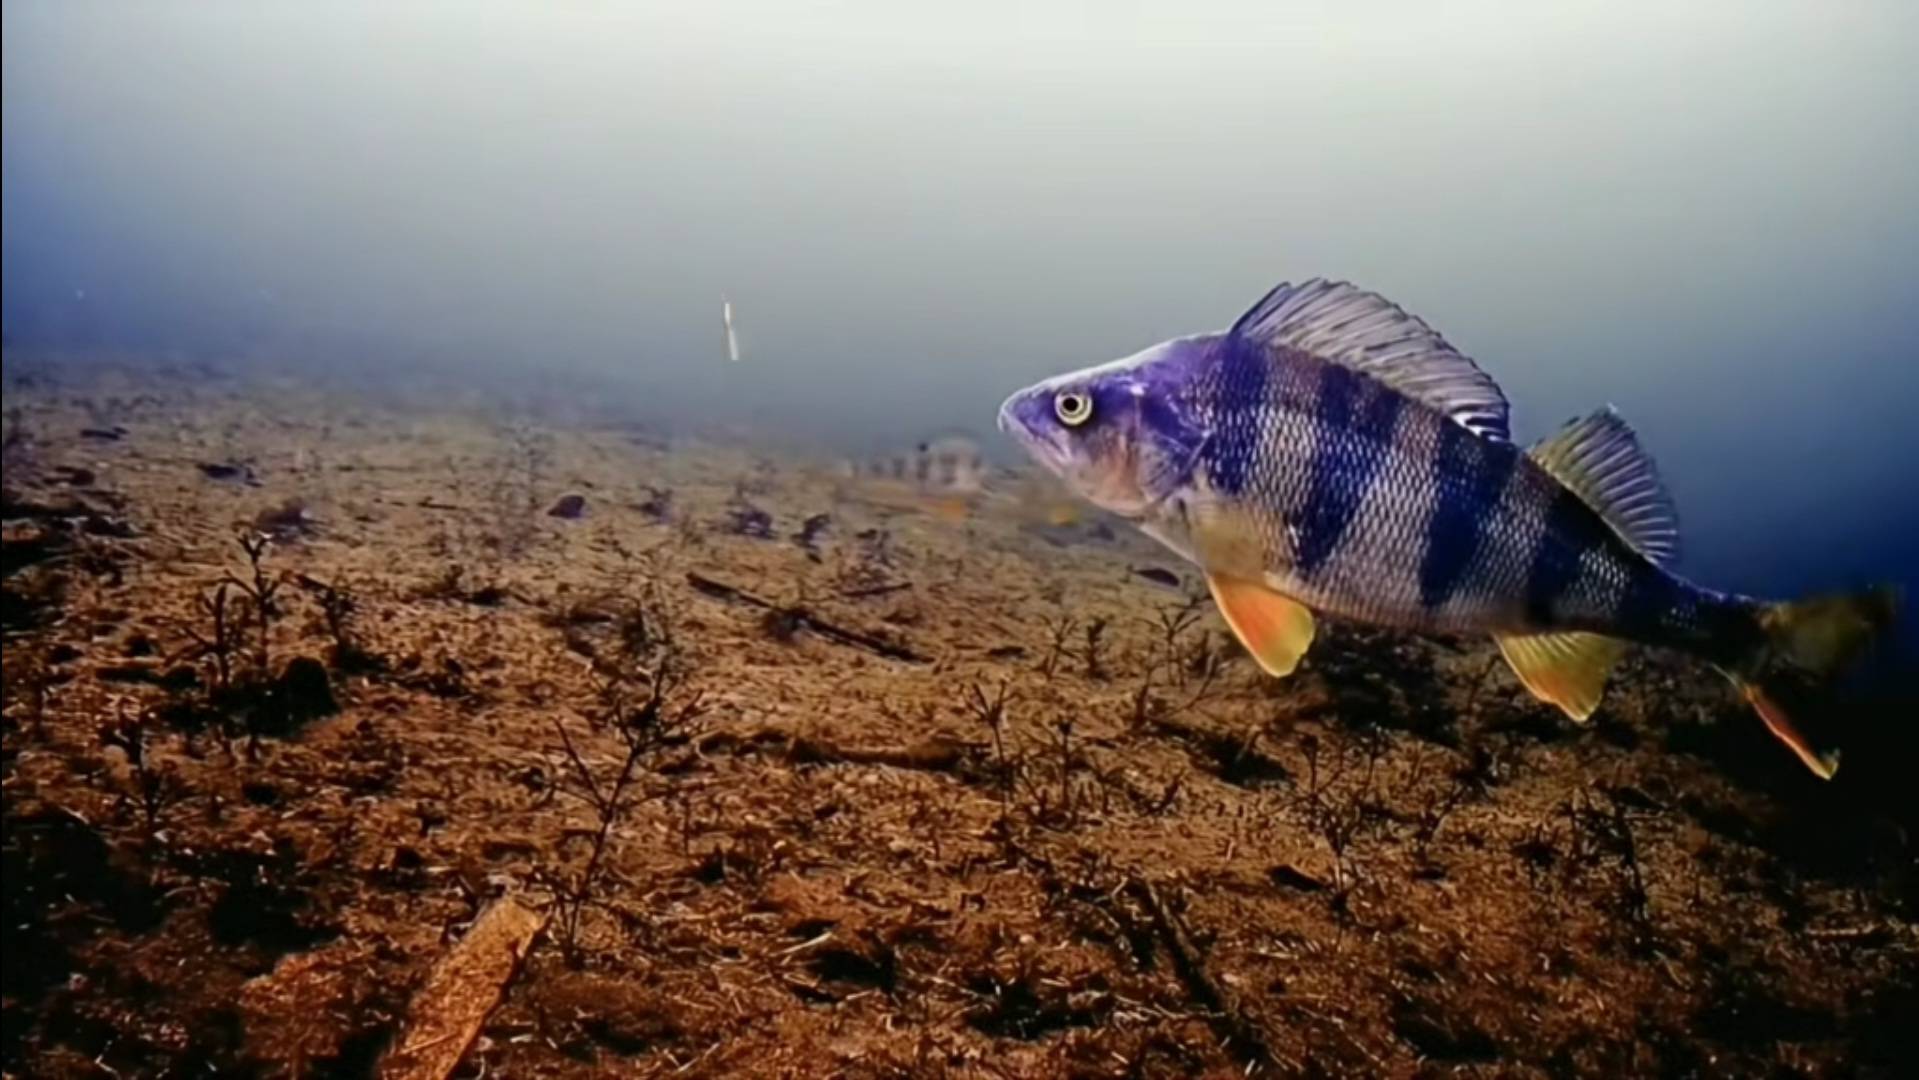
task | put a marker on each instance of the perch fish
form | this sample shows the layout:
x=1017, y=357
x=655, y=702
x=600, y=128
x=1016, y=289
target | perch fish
x=1331, y=453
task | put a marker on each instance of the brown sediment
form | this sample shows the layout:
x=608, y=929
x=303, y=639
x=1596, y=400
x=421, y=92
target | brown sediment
x=785, y=815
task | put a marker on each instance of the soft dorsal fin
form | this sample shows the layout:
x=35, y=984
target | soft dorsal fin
x=1599, y=458
x=1346, y=325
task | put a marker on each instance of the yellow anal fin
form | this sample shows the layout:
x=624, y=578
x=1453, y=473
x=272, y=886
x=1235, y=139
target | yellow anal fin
x=1568, y=670
x=1822, y=765
x=1276, y=629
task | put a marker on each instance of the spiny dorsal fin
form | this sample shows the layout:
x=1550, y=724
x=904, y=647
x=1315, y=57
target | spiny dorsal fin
x=1600, y=460
x=1346, y=325
x=1568, y=670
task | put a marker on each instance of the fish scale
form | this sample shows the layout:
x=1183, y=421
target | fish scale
x=1383, y=524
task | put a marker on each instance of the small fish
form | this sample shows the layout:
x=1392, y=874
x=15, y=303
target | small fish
x=948, y=464
x=949, y=477
x=1331, y=453
x=946, y=476
x=732, y=339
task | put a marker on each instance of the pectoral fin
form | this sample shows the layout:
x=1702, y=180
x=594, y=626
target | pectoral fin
x=1230, y=540
x=1277, y=630
x=1568, y=670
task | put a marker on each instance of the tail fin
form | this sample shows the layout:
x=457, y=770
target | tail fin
x=1808, y=643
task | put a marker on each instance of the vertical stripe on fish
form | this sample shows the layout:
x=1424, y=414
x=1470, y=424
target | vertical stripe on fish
x=1353, y=421
x=1471, y=476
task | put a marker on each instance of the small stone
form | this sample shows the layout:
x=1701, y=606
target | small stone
x=571, y=506
x=304, y=691
x=181, y=678
x=288, y=521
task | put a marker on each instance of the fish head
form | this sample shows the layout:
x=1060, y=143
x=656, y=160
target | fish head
x=1124, y=436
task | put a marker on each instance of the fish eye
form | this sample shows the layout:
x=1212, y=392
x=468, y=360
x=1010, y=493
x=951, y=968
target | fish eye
x=1072, y=407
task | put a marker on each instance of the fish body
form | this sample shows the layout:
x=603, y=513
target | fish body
x=1365, y=503
x=1331, y=453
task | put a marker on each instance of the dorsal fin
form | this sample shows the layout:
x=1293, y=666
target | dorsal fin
x=1346, y=325
x=1599, y=458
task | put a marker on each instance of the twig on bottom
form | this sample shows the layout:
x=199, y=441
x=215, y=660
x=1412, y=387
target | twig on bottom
x=1228, y=1013
x=802, y=618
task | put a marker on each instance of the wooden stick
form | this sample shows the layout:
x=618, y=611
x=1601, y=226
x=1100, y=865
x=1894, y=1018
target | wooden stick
x=801, y=617
x=461, y=993
x=875, y=590
x=1229, y=1016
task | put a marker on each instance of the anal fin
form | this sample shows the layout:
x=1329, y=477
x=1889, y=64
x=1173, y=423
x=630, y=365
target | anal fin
x=1565, y=669
x=1276, y=629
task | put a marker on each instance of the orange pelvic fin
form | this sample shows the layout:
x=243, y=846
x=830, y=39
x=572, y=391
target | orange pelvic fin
x=1276, y=629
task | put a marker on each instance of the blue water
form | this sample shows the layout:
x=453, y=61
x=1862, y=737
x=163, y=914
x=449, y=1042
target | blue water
x=1707, y=217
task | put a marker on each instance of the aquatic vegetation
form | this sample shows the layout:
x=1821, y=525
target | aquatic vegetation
x=337, y=608
x=808, y=537
x=1181, y=659
x=515, y=490
x=151, y=785
x=647, y=696
x=220, y=641
x=1059, y=631
x=991, y=712
x=258, y=588
x=658, y=504
x=868, y=564
x=744, y=518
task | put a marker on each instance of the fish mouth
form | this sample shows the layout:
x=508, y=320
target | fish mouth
x=1040, y=446
x=1009, y=422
